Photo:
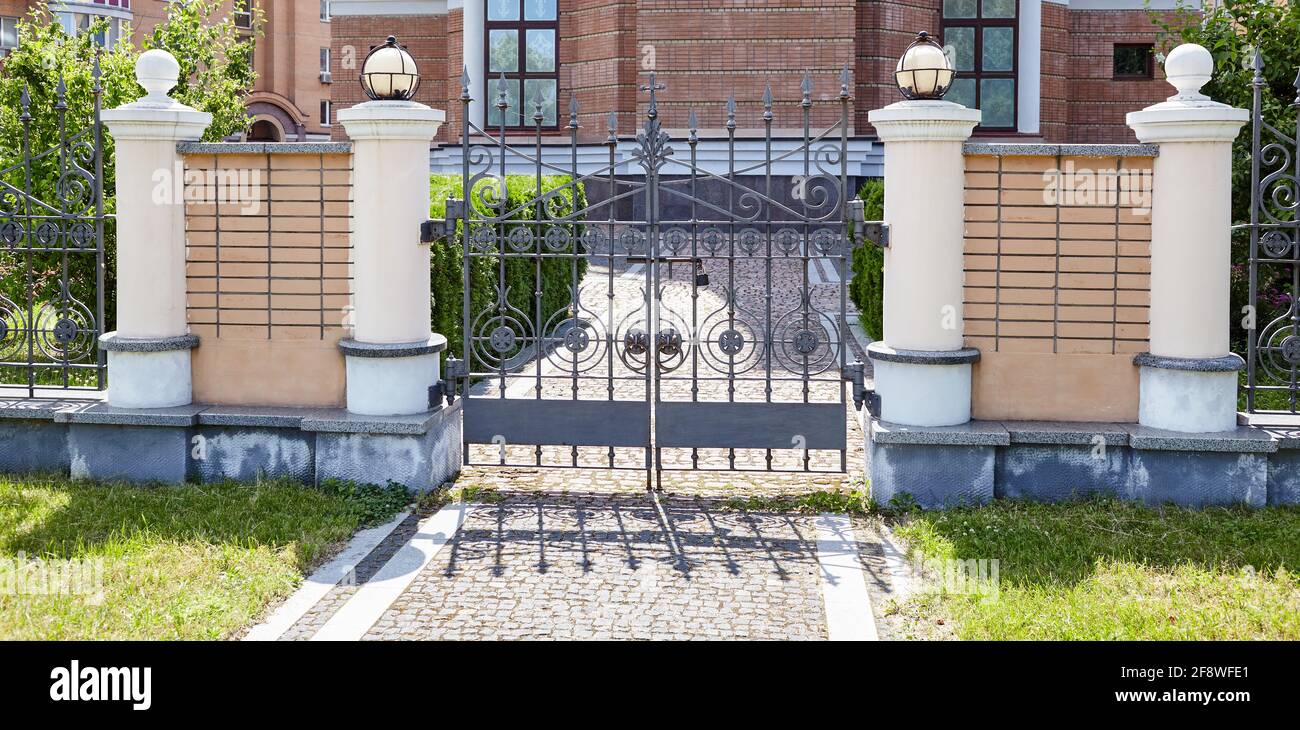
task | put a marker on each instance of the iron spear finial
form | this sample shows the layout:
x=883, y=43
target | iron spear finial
x=806, y=87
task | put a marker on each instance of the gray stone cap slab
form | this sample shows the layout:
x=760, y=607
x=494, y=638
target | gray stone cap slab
x=1039, y=149
x=112, y=342
x=435, y=343
x=102, y=413
x=1241, y=440
x=884, y=353
x=262, y=148
x=255, y=416
x=1287, y=438
x=1066, y=433
x=338, y=420
x=1229, y=363
x=42, y=409
x=975, y=433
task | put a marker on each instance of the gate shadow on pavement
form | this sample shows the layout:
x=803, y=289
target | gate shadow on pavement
x=594, y=529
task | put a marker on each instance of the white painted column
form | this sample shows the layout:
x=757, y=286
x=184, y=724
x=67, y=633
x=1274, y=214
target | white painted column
x=922, y=371
x=149, y=354
x=392, y=356
x=1029, y=73
x=473, y=44
x=1189, y=377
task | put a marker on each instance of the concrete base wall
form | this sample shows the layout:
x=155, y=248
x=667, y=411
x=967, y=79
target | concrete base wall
x=420, y=452
x=934, y=476
x=1056, y=462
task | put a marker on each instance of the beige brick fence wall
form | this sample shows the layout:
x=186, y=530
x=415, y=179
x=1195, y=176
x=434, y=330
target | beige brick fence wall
x=268, y=247
x=1057, y=279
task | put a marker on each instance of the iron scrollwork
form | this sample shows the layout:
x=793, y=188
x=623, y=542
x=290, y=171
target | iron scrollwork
x=50, y=326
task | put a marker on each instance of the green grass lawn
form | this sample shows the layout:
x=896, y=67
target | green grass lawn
x=177, y=562
x=1115, y=570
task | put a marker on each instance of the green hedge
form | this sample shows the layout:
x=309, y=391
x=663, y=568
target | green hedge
x=868, y=284
x=447, y=260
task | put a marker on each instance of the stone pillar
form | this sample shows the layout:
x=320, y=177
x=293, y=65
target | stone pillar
x=1189, y=377
x=392, y=356
x=922, y=371
x=149, y=354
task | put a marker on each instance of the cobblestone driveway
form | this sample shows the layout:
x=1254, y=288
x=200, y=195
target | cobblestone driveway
x=600, y=566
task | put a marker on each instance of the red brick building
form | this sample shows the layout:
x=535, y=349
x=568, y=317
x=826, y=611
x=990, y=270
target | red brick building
x=291, y=97
x=1052, y=70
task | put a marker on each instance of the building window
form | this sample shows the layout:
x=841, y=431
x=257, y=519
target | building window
x=324, y=112
x=521, y=43
x=980, y=38
x=1134, y=61
x=243, y=15
x=325, y=77
x=324, y=11
x=77, y=23
x=8, y=35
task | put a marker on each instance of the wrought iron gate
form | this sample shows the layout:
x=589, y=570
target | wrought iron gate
x=708, y=331
x=1272, y=321
x=52, y=254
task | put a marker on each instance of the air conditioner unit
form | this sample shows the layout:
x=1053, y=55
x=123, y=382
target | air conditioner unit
x=326, y=78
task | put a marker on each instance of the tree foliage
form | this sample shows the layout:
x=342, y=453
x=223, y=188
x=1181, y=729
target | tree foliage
x=216, y=74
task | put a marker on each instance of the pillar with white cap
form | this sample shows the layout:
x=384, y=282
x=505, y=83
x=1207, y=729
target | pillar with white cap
x=922, y=370
x=1189, y=376
x=149, y=353
x=392, y=356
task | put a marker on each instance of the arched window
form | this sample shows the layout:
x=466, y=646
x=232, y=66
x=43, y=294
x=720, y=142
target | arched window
x=522, y=43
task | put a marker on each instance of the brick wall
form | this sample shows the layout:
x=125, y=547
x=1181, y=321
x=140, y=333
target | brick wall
x=425, y=36
x=1054, y=108
x=705, y=50
x=599, y=62
x=1098, y=102
x=1057, y=285
x=268, y=246
x=884, y=29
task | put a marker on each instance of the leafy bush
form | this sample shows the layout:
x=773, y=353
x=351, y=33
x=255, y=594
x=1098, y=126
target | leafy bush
x=216, y=74
x=868, y=284
x=447, y=261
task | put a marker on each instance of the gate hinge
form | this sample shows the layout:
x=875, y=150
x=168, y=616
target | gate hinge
x=875, y=231
x=435, y=230
x=855, y=373
x=455, y=373
x=439, y=229
x=864, y=230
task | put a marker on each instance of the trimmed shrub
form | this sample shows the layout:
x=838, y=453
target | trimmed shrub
x=868, y=284
x=447, y=259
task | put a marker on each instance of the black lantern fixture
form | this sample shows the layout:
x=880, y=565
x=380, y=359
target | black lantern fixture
x=389, y=73
x=924, y=71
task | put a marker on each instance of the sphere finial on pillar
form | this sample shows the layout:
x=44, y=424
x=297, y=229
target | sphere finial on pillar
x=157, y=71
x=1187, y=68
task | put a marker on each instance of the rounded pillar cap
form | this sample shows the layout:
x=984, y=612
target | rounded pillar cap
x=1189, y=115
x=1187, y=68
x=157, y=71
